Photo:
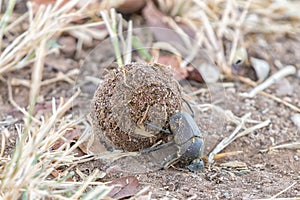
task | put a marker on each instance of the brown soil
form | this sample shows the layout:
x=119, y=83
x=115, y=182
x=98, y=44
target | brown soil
x=264, y=173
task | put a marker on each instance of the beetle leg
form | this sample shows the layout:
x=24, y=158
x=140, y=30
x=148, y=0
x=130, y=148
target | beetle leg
x=158, y=128
x=189, y=106
x=151, y=149
x=163, y=155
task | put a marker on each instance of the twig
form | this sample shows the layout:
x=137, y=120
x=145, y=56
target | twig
x=252, y=83
x=286, y=189
x=59, y=77
x=255, y=127
x=111, y=27
x=4, y=19
x=294, y=145
x=3, y=139
x=235, y=134
x=227, y=140
x=288, y=70
x=85, y=185
x=22, y=110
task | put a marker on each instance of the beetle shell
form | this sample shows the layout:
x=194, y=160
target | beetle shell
x=184, y=127
x=191, y=150
x=189, y=138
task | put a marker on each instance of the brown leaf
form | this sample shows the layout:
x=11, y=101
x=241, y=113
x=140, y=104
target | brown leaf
x=69, y=136
x=44, y=107
x=124, y=187
x=194, y=74
x=131, y=6
x=174, y=62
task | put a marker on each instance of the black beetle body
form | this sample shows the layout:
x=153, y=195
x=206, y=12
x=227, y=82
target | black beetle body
x=189, y=140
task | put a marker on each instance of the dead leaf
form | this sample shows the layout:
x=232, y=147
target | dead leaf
x=124, y=187
x=174, y=61
x=130, y=6
x=180, y=73
x=194, y=74
x=69, y=136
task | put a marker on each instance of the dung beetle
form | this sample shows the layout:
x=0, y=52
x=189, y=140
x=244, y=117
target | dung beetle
x=188, y=141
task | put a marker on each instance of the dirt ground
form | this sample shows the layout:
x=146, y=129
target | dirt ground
x=265, y=172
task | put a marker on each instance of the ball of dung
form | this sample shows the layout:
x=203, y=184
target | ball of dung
x=132, y=104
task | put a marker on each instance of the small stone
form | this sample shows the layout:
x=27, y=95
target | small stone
x=296, y=120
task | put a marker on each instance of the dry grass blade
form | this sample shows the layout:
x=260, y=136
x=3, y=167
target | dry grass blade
x=288, y=70
x=283, y=191
x=293, y=145
x=227, y=140
x=4, y=19
x=111, y=156
x=26, y=174
x=59, y=77
x=32, y=163
x=240, y=122
x=114, y=25
x=250, y=82
x=37, y=73
x=43, y=25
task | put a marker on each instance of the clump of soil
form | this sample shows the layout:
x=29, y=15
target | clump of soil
x=132, y=102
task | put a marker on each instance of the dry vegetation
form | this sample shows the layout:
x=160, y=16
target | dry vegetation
x=222, y=28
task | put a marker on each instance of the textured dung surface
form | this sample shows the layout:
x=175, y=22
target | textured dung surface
x=131, y=97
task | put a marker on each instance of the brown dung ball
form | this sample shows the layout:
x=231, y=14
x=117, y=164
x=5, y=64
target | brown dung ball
x=132, y=102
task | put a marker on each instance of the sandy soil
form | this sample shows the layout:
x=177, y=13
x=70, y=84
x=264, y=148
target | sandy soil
x=264, y=173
